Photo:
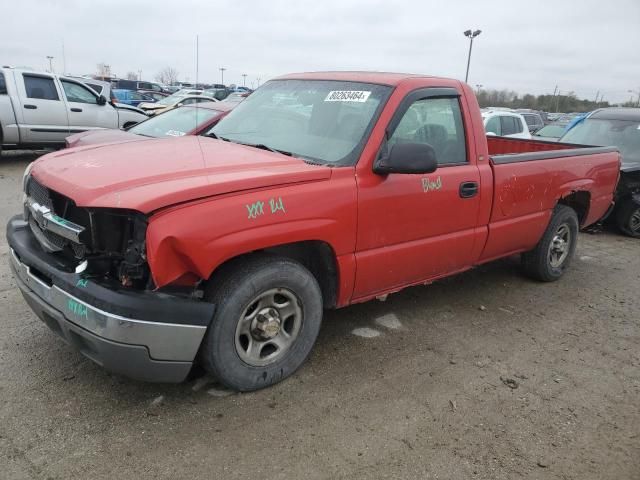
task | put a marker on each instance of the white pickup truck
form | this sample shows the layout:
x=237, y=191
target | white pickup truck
x=42, y=109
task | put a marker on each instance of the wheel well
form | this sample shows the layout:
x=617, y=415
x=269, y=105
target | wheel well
x=317, y=256
x=580, y=202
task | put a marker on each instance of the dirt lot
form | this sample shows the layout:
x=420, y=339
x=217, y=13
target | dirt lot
x=486, y=375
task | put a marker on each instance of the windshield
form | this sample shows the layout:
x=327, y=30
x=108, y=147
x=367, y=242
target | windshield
x=554, y=131
x=623, y=134
x=324, y=121
x=175, y=123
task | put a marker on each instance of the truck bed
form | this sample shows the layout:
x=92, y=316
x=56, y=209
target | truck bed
x=510, y=150
x=531, y=177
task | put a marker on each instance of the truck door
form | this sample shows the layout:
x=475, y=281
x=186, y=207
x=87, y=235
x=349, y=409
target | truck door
x=44, y=112
x=413, y=228
x=85, y=113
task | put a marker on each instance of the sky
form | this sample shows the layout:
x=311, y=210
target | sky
x=589, y=47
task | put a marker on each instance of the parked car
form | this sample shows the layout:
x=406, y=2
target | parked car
x=217, y=93
x=41, y=109
x=229, y=246
x=176, y=100
x=177, y=122
x=619, y=127
x=131, y=97
x=505, y=123
x=552, y=117
x=236, y=97
x=155, y=95
x=138, y=85
x=551, y=132
x=534, y=120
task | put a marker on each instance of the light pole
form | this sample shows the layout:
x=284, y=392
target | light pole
x=50, y=63
x=471, y=35
x=244, y=79
x=140, y=75
x=478, y=87
x=638, y=92
x=222, y=69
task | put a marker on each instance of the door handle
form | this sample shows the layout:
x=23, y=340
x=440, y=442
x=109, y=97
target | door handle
x=76, y=109
x=468, y=189
x=30, y=107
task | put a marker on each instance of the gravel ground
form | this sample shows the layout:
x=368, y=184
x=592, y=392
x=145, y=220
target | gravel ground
x=485, y=375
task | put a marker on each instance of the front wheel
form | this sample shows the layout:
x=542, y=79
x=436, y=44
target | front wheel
x=268, y=315
x=550, y=258
x=628, y=218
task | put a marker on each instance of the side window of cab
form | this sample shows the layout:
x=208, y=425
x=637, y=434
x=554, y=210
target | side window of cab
x=438, y=123
x=77, y=93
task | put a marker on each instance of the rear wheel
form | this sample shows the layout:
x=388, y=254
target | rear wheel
x=268, y=315
x=553, y=253
x=628, y=218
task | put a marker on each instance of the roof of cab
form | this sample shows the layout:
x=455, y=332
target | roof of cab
x=617, y=113
x=382, y=78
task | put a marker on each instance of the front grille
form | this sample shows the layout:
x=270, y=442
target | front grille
x=63, y=207
x=112, y=241
x=39, y=193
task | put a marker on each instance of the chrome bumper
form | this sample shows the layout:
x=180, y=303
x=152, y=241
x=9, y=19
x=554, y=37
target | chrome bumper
x=164, y=341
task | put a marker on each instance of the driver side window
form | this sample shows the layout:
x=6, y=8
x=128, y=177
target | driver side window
x=436, y=122
x=77, y=93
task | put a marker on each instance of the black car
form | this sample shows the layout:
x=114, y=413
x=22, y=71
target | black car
x=619, y=127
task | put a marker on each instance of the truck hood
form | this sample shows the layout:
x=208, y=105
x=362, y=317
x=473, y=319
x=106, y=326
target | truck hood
x=106, y=135
x=149, y=175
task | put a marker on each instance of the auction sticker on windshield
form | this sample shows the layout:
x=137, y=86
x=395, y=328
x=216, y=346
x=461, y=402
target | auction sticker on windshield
x=175, y=133
x=347, y=96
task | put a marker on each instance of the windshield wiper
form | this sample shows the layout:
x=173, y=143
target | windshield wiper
x=213, y=135
x=262, y=146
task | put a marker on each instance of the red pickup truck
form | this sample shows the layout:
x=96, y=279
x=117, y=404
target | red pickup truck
x=319, y=191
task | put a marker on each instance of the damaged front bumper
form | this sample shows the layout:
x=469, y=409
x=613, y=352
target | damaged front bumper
x=149, y=336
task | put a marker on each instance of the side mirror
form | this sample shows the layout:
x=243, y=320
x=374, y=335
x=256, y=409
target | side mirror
x=180, y=104
x=101, y=100
x=491, y=134
x=416, y=158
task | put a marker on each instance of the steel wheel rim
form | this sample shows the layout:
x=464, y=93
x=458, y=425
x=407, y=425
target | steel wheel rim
x=268, y=327
x=634, y=221
x=560, y=246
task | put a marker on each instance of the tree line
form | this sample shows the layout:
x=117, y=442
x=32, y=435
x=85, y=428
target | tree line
x=568, y=102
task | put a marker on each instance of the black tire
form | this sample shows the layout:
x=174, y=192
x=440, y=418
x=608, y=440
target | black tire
x=547, y=262
x=628, y=218
x=233, y=291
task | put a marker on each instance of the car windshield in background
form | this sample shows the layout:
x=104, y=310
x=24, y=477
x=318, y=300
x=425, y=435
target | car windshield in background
x=171, y=99
x=623, y=134
x=324, y=121
x=175, y=123
x=552, y=131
